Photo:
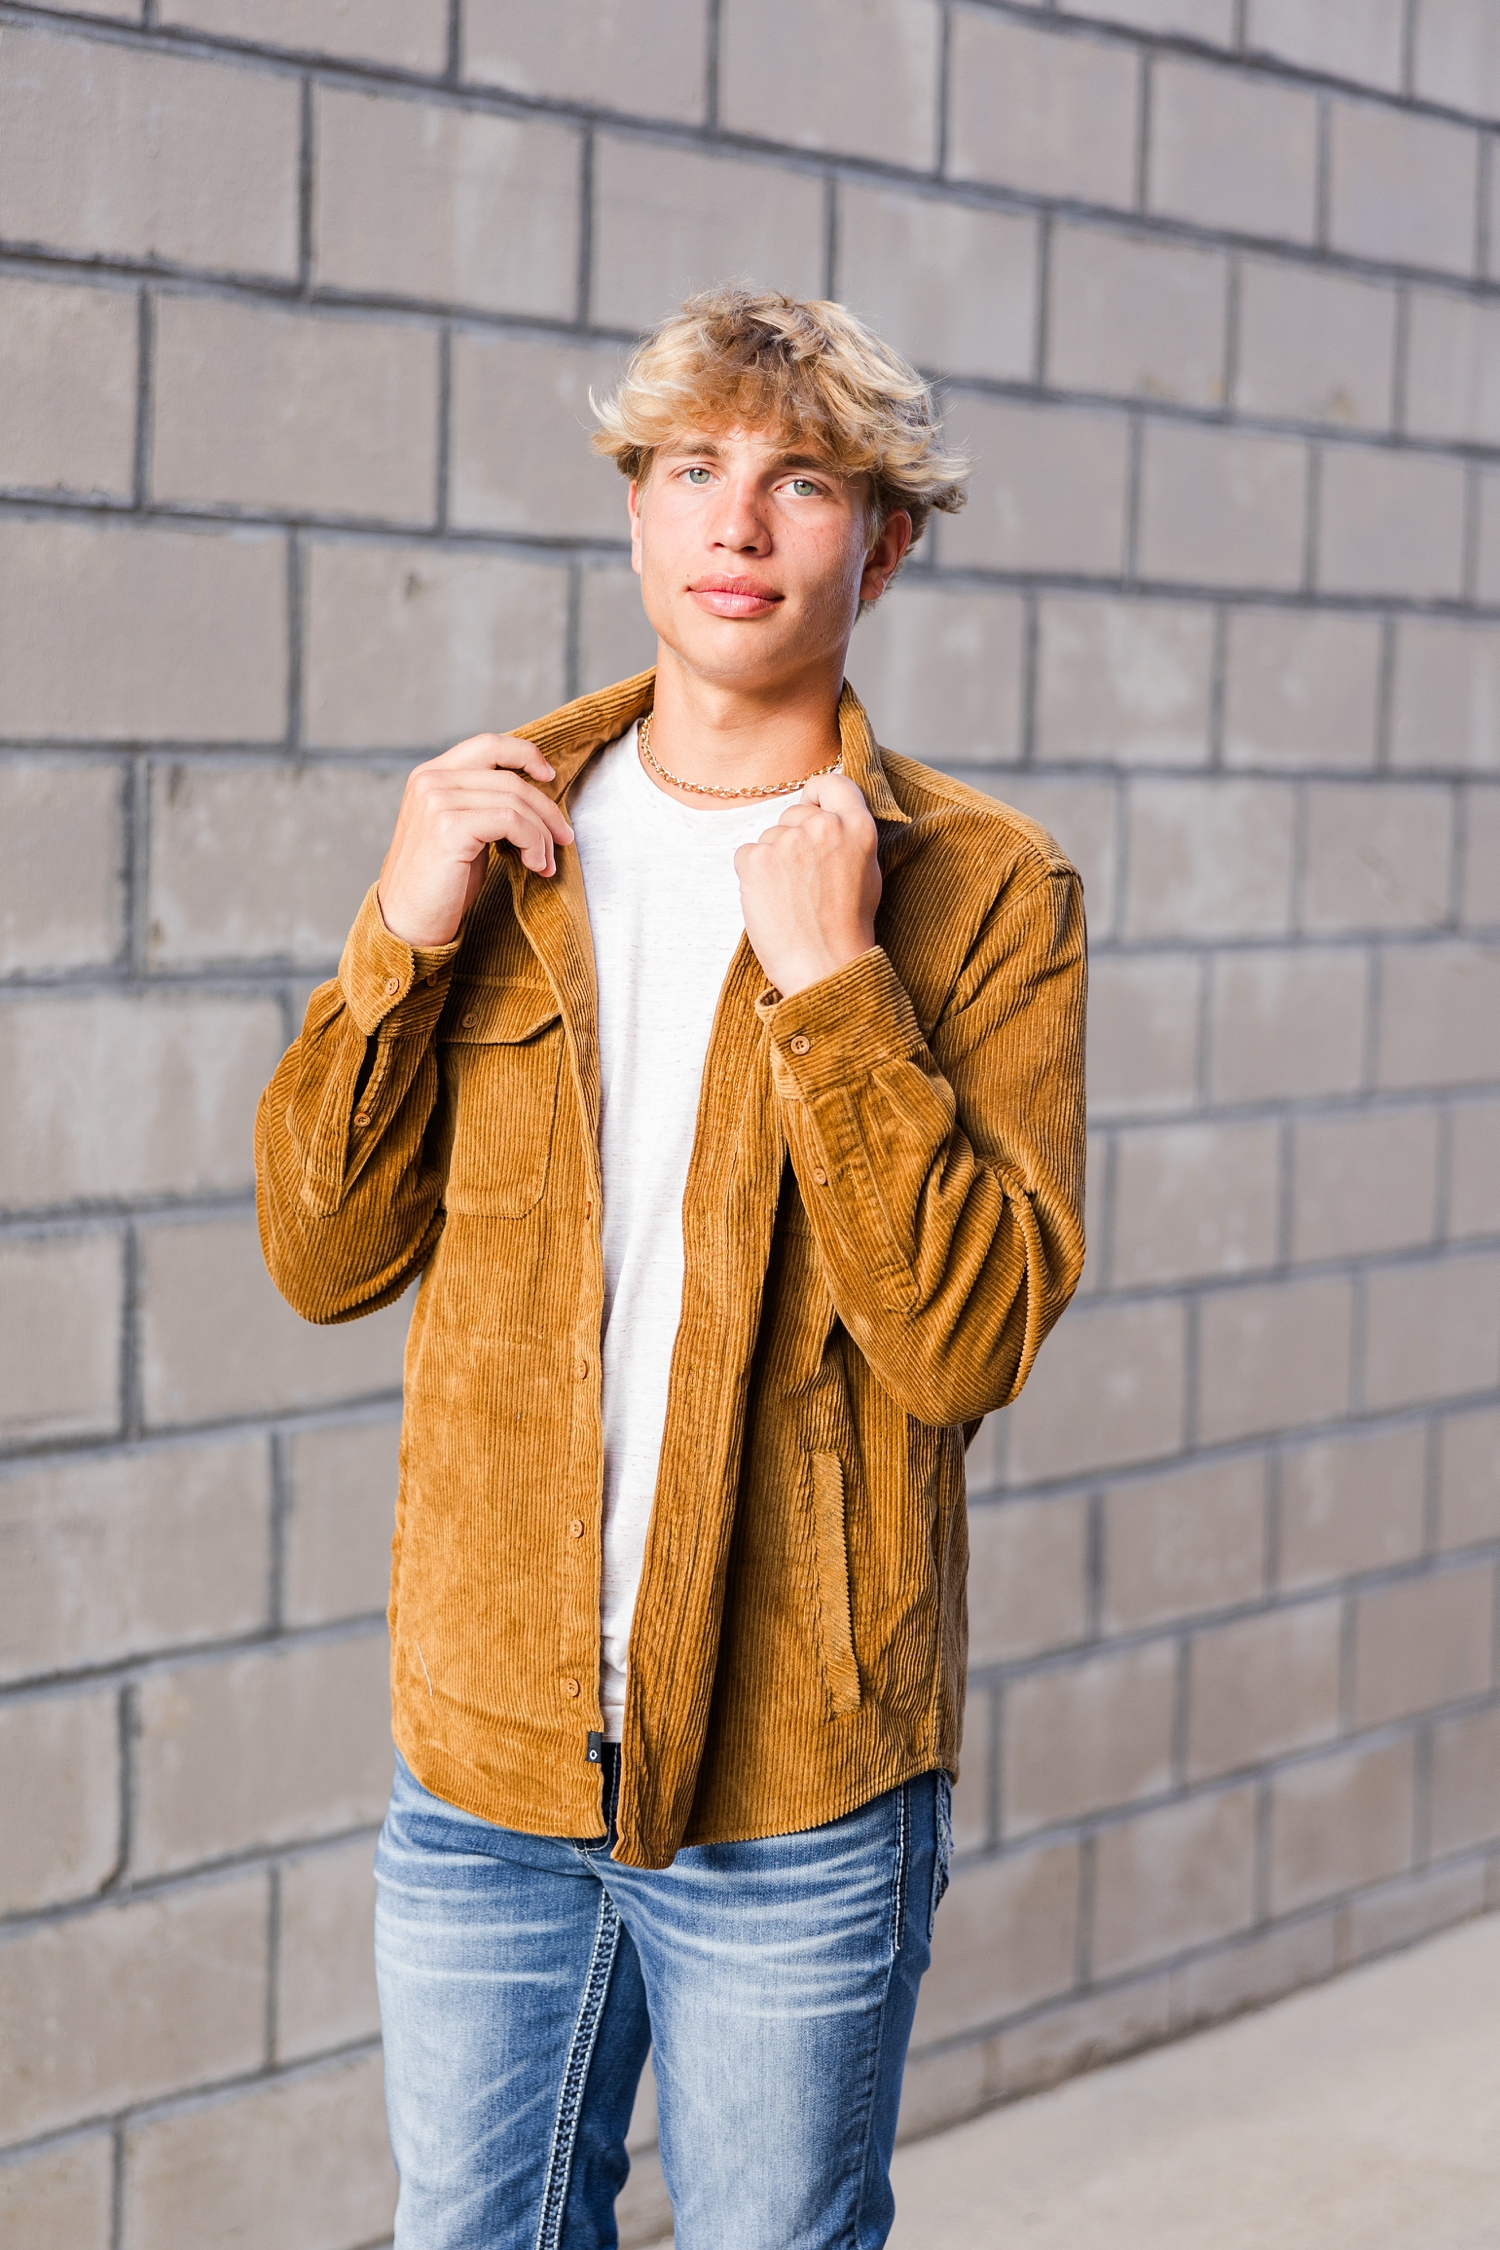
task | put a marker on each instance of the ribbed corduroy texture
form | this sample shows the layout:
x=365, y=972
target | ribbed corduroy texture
x=882, y=1220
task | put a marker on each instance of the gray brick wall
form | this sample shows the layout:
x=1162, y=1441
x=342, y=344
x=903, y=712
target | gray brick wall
x=298, y=305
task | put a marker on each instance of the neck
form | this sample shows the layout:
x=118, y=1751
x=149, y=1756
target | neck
x=738, y=737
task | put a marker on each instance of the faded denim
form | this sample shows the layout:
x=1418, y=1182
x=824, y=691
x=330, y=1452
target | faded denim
x=523, y=1979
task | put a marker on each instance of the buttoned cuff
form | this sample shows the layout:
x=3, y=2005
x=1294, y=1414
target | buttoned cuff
x=388, y=983
x=840, y=1028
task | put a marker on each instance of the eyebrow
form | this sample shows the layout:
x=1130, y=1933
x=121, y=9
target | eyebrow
x=709, y=449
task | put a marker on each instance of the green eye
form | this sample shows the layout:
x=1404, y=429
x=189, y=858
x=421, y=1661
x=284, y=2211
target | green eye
x=804, y=488
x=697, y=476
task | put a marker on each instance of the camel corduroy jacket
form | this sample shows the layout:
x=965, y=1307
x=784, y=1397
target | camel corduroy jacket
x=881, y=1222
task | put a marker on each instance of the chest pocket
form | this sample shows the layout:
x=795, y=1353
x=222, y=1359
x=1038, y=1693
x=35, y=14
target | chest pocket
x=500, y=1051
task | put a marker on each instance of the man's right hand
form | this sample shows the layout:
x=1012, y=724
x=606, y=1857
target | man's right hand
x=454, y=808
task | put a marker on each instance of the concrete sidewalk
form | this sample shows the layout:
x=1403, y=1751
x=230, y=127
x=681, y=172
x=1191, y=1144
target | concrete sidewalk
x=1363, y=2115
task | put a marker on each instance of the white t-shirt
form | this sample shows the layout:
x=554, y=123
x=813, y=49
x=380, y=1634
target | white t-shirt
x=664, y=907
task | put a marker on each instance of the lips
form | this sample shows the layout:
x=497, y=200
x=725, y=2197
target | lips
x=734, y=597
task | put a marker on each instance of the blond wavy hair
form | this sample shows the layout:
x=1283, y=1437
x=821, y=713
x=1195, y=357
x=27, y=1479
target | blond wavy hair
x=737, y=358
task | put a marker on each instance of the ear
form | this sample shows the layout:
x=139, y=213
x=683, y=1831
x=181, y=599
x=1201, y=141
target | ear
x=635, y=526
x=884, y=558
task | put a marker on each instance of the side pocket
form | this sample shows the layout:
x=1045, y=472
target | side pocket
x=833, y=1582
x=942, y=1854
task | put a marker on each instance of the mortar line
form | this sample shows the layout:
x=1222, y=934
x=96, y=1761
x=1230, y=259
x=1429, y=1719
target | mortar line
x=282, y=1502
x=273, y=1966
x=1385, y=690
x=1144, y=92
x=294, y=639
x=1409, y=48
x=1323, y=172
x=1135, y=444
x=1432, y=1487
x=140, y=479
x=573, y=635
x=1286, y=1160
x=136, y=870
x=1484, y=176
x=585, y=231
x=401, y=81
x=1083, y=1960
x=1312, y=526
x=305, y=158
x=1192, y=1348
x=453, y=63
x=117, y=2189
x=444, y=440
x=1203, y=1034
x=1181, y=1690
x=1421, y=1810
x=1359, y=1314
x=711, y=66
x=830, y=237
x=1042, y=302
x=1458, y=854
x=1233, y=324
x=1401, y=359
x=1264, y=1841
x=130, y=1312
x=1030, y=657
x=944, y=88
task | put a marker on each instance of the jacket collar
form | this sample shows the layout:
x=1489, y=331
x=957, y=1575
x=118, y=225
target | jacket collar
x=570, y=737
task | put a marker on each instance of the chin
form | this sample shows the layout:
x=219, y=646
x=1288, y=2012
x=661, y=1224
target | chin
x=730, y=648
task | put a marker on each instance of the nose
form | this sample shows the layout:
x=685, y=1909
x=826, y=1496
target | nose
x=740, y=522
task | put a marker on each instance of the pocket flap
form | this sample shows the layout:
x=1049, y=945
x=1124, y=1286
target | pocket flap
x=488, y=1015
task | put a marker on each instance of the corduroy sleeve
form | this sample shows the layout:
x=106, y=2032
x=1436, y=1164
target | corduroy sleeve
x=944, y=1179
x=348, y=1213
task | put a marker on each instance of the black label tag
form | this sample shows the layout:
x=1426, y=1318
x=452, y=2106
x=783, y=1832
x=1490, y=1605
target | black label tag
x=595, y=1751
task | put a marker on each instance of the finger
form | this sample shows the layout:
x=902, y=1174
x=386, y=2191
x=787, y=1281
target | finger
x=491, y=750
x=486, y=793
x=835, y=792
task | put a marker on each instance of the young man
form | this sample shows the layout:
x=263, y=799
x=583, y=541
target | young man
x=720, y=1076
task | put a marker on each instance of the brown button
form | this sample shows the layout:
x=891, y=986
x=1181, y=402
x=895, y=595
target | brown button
x=469, y=1021
x=393, y=984
x=361, y=1117
x=800, y=1044
x=431, y=977
x=576, y=1527
x=821, y=1178
x=769, y=999
x=571, y=1687
x=588, y=1209
x=580, y=1370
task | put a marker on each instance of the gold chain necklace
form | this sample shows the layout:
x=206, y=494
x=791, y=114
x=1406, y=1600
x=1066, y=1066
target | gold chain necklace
x=706, y=789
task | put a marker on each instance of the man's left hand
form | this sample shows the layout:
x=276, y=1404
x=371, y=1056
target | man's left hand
x=810, y=886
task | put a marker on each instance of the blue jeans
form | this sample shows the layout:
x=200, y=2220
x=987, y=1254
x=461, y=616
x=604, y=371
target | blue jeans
x=523, y=1978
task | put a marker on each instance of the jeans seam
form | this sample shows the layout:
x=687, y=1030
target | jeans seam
x=903, y=1830
x=575, y=2075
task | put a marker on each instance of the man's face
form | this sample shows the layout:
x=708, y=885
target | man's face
x=754, y=554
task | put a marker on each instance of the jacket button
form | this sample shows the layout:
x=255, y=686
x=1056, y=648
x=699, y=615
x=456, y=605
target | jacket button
x=393, y=984
x=821, y=1178
x=576, y=1527
x=580, y=1370
x=361, y=1117
x=800, y=1044
x=571, y=1687
x=469, y=1022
